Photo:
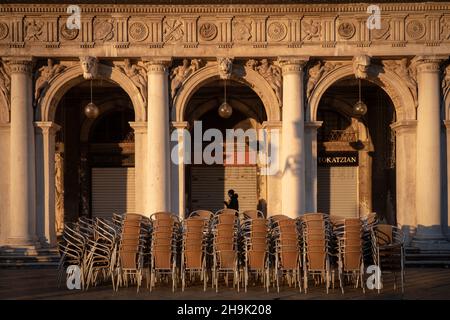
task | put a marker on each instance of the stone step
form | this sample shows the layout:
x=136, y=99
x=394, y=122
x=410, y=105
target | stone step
x=416, y=263
x=28, y=265
x=19, y=259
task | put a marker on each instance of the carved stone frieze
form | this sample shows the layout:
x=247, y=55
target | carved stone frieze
x=271, y=73
x=180, y=73
x=5, y=81
x=137, y=75
x=44, y=76
x=89, y=66
x=405, y=72
x=361, y=66
x=225, y=66
x=316, y=72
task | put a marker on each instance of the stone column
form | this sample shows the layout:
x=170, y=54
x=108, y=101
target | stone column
x=140, y=164
x=405, y=164
x=5, y=173
x=428, y=174
x=273, y=131
x=292, y=143
x=158, y=164
x=447, y=127
x=22, y=222
x=311, y=164
x=45, y=176
x=183, y=153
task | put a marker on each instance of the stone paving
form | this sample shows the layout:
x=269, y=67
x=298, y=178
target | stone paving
x=421, y=283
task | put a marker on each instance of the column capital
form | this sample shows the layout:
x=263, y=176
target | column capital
x=157, y=64
x=180, y=124
x=292, y=64
x=138, y=126
x=404, y=126
x=47, y=127
x=428, y=63
x=269, y=125
x=20, y=64
x=447, y=124
x=313, y=125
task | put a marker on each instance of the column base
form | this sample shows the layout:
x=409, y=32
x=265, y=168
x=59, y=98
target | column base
x=22, y=242
x=430, y=238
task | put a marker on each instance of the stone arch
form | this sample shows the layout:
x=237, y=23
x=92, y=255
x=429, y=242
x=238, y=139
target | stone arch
x=241, y=74
x=386, y=79
x=4, y=109
x=446, y=102
x=73, y=76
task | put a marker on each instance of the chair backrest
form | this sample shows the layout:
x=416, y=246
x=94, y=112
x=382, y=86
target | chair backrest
x=253, y=214
x=201, y=214
x=227, y=211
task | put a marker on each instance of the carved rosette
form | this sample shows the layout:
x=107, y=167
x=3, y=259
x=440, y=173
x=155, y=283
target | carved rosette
x=68, y=34
x=138, y=31
x=276, y=31
x=415, y=29
x=346, y=30
x=208, y=31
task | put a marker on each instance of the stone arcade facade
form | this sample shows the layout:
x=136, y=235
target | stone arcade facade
x=140, y=48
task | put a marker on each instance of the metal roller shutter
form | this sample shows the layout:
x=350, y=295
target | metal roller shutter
x=210, y=184
x=337, y=191
x=113, y=190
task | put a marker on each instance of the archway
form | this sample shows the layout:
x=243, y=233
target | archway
x=206, y=184
x=94, y=157
x=356, y=153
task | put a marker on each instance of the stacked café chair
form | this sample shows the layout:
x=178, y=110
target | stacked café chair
x=201, y=214
x=72, y=251
x=194, y=250
x=101, y=255
x=134, y=237
x=225, y=247
x=369, y=251
x=389, y=252
x=316, y=238
x=255, y=251
x=164, y=248
x=350, y=251
x=286, y=247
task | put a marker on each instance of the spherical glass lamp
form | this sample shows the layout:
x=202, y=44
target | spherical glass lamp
x=360, y=108
x=91, y=110
x=225, y=110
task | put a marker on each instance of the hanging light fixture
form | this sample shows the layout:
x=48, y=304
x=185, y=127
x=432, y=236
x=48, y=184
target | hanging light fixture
x=91, y=110
x=225, y=110
x=360, y=108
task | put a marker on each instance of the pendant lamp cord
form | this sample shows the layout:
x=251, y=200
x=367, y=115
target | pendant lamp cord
x=225, y=90
x=91, y=90
x=359, y=85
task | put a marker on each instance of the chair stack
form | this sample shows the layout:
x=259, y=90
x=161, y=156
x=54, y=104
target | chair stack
x=102, y=251
x=389, y=251
x=256, y=250
x=134, y=235
x=225, y=229
x=349, y=235
x=193, y=249
x=317, y=232
x=286, y=244
x=164, y=248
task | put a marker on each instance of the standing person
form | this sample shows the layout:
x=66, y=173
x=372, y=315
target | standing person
x=233, y=203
